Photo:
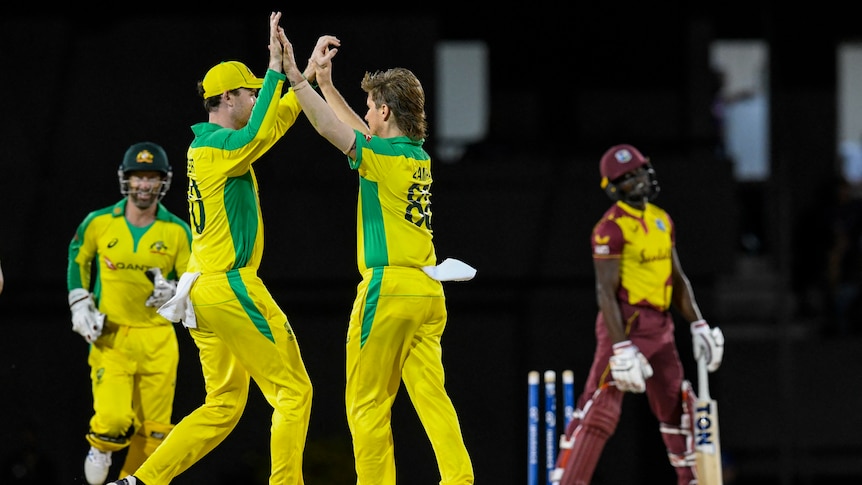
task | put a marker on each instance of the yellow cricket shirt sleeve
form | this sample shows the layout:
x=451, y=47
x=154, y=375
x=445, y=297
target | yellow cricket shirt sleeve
x=233, y=151
x=262, y=121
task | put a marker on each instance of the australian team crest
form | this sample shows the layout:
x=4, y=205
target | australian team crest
x=158, y=247
x=144, y=156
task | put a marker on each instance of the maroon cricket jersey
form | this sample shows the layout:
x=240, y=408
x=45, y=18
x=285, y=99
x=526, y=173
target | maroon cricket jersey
x=643, y=241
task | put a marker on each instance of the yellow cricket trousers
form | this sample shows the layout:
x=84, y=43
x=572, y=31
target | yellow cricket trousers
x=133, y=371
x=241, y=332
x=394, y=334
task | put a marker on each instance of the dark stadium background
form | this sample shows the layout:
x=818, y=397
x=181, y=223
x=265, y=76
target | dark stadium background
x=79, y=89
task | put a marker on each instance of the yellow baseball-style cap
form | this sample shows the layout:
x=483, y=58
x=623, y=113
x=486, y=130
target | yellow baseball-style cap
x=227, y=76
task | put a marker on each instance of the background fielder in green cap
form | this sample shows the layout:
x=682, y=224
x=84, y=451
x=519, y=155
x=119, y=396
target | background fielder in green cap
x=133, y=350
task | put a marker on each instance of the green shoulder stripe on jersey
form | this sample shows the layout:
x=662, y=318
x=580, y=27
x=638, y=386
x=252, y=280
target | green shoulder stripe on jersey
x=398, y=146
x=115, y=210
x=207, y=135
x=212, y=135
x=73, y=276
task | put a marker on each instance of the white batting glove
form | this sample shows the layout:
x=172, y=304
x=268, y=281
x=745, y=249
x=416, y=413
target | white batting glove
x=707, y=342
x=629, y=367
x=86, y=320
x=163, y=290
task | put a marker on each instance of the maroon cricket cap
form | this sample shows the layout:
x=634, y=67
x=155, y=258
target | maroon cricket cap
x=618, y=161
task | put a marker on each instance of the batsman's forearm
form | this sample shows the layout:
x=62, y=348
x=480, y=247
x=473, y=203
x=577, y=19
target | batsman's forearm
x=684, y=302
x=613, y=317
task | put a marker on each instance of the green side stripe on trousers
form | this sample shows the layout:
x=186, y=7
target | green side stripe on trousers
x=251, y=310
x=371, y=298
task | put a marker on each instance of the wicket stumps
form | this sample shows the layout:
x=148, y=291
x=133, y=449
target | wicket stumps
x=550, y=434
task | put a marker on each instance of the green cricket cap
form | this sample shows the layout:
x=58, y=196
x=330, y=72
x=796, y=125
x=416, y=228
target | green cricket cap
x=145, y=157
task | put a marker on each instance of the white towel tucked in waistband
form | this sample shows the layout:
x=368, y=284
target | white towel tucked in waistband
x=179, y=308
x=450, y=270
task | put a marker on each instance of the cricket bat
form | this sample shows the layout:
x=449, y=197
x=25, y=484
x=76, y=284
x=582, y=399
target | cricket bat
x=707, y=444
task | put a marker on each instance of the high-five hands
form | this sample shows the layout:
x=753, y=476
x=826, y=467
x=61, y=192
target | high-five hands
x=324, y=51
x=276, y=47
x=321, y=56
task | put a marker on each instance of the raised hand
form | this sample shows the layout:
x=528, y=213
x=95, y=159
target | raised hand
x=291, y=70
x=276, y=49
x=321, y=58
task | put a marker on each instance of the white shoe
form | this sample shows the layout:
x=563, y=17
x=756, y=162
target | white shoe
x=96, y=466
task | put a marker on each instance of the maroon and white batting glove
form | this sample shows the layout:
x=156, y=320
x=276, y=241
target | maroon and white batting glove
x=707, y=342
x=629, y=368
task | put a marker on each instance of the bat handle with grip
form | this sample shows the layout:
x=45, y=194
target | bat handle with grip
x=702, y=378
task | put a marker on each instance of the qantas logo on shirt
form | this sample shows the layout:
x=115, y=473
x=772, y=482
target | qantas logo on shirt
x=115, y=266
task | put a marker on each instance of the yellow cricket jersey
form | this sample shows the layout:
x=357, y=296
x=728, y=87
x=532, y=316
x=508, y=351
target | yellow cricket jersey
x=394, y=208
x=643, y=241
x=123, y=253
x=224, y=207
